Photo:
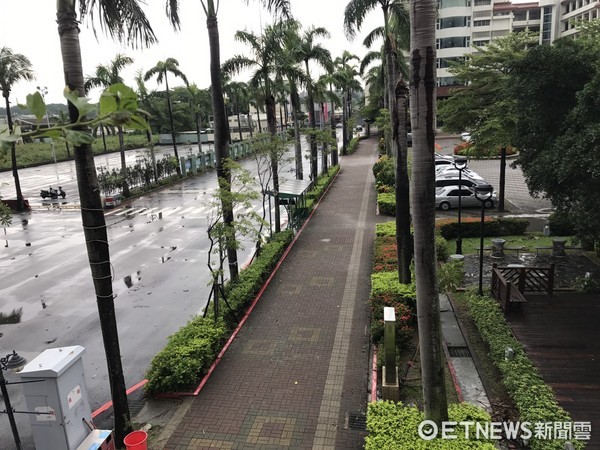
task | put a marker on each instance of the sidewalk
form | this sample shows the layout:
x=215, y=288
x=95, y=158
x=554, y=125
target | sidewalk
x=297, y=373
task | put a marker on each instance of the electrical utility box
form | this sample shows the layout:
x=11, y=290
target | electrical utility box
x=61, y=395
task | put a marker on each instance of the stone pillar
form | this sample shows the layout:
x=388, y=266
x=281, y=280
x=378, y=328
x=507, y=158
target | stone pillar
x=390, y=385
x=498, y=248
x=558, y=248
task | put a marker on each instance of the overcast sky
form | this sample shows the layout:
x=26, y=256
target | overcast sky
x=29, y=27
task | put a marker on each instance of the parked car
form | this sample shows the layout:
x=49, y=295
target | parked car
x=465, y=136
x=446, y=169
x=446, y=197
x=452, y=180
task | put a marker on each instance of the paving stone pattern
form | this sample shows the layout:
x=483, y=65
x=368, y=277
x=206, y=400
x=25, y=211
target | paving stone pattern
x=298, y=371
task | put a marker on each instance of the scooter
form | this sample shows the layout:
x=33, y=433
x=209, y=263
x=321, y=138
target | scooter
x=53, y=193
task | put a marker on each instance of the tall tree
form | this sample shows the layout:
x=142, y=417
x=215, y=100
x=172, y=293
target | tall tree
x=105, y=76
x=266, y=49
x=14, y=67
x=422, y=108
x=484, y=105
x=237, y=92
x=125, y=21
x=395, y=33
x=161, y=71
x=211, y=8
x=308, y=50
x=345, y=79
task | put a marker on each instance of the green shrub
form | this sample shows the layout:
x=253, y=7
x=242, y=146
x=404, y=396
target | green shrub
x=533, y=398
x=386, y=228
x=451, y=275
x=386, y=203
x=386, y=290
x=385, y=257
x=389, y=229
x=384, y=171
x=192, y=349
x=561, y=224
x=188, y=355
x=352, y=145
x=471, y=227
x=394, y=426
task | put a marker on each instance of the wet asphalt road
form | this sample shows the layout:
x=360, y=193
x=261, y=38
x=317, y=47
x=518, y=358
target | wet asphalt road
x=159, y=269
x=158, y=250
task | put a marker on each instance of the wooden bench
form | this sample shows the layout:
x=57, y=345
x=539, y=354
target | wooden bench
x=508, y=295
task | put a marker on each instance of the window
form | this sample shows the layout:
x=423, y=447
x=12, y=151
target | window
x=453, y=22
x=481, y=43
x=547, y=25
x=453, y=3
x=481, y=23
x=483, y=2
x=520, y=15
x=534, y=14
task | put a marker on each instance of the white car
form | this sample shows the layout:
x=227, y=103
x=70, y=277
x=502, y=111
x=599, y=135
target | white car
x=449, y=169
x=465, y=136
x=446, y=197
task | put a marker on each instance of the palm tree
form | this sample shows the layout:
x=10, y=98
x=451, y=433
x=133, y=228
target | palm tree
x=127, y=22
x=266, y=49
x=211, y=8
x=308, y=50
x=322, y=95
x=201, y=106
x=422, y=108
x=104, y=77
x=395, y=32
x=160, y=71
x=14, y=67
x=345, y=79
x=237, y=91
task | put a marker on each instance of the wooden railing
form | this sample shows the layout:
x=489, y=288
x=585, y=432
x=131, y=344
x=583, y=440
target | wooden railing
x=529, y=279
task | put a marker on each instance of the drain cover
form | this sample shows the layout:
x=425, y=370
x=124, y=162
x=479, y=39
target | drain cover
x=357, y=422
x=459, y=352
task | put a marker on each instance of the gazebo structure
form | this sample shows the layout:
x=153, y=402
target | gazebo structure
x=292, y=195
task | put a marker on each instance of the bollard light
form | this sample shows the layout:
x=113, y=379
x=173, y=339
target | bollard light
x=483, y=192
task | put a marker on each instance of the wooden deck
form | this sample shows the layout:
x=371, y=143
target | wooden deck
x=561, y=334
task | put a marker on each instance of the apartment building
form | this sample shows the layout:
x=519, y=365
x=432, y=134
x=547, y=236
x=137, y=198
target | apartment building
x=462, y=24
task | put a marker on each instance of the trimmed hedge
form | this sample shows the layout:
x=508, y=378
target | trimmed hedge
x=394, y=426
x=388, y=229
x=386, y=290
x=384, y=171
x=386, y=203
x=192, y=349
x=352, y=145
x=471, y=227
x=533, y=398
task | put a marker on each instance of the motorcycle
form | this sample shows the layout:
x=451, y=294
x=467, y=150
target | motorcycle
x=53, y=193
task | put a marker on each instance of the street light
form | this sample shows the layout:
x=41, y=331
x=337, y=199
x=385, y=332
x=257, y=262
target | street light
x=43, y=91
x=460, y=164
x=483, y=193
x=14, y=362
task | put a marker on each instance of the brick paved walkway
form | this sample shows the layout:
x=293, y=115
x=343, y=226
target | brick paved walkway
x=297, y=374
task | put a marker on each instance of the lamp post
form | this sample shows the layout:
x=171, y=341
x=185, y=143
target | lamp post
x=483, y=193
x=43, y=91
x=14, y=362
x=460, y=164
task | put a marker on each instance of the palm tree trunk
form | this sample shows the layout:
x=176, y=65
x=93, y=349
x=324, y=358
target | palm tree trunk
x=271, y=122
x=124, y=184
x=239, y=120
x=325, y=148
x=94, y=225
x=344, y=126
x=13, y=157
x=258, y=117
x=298, y=145
x=422, y=104
x=221, y=143
x=312, y=123
x=173, y=138
x=403, y=236
x=198, y=133
x=334, y=152
x=501, y=206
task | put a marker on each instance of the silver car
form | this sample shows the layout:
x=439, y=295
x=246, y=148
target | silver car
x=446, y=197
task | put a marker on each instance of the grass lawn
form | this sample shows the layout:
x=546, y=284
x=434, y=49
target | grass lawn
x=529, y=240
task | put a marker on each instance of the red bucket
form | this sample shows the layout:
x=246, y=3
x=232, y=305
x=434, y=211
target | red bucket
x=136, y=440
